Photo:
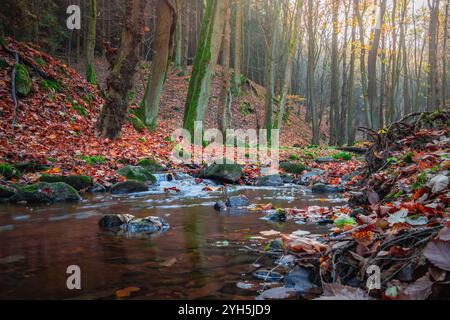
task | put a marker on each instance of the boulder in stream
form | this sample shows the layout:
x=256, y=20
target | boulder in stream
x=78, y=182
x=137, y=173
x=130, y=186
x=269, y=181
x=228, y=173
x=300, y=280
x=237, y=202
x=44, y=192
x=131, y=225
x=6, y=192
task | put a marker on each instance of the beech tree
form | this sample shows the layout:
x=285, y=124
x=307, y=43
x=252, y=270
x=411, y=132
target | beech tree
x=121, y=79
x=90, y=42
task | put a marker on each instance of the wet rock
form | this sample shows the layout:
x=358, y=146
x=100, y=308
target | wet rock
x=78, y=182
x=131, y=225
x=306, y=178
x=300, y=280
x=130, y=186
x=277, y=216
x=228, y=173
x=220, y=206
x=349, y=176
x=46, y=193
x=287, y=261
x=151, y=165
x=6, y=192
x=281, y=293
x=287, y=178
x=275, y=245
x=324, y=159
x=237, y=202
x=9, y=171
x=325, y=222
x=359, y=211
x=268, y=275
x=293, y=167
x=137, y=173
x=323, y=188
x=358, y=199
x=269, y=181
x=97, y=188
x=23, y=80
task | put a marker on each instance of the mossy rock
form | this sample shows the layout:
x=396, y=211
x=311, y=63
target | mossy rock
x=130, y=186
x=228, y=173
x=9, y=171
x=6, y=192
x=151, y=165
x=293, y=167
x=137, y=173
x=30, y=167
x=79, y=182
x=23, y=80
x=44, y=192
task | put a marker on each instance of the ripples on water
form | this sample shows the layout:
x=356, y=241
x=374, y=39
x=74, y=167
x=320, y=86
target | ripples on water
x=199, y=257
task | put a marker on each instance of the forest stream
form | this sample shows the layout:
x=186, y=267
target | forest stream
x=201, y=255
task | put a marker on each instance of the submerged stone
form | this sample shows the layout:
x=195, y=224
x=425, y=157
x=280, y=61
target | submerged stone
x=131, y=225
x=268, y=275
x=281, y=293
x=323, y=188
x=300, y=280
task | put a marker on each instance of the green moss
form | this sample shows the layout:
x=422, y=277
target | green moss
x=420, y=181
x=78, y=182
x=93, y=160
x=408, y=158
x=50, y=85
x=23, y=80
x=151, y=165
x=137, y=173
x=46, y=192
x=294, y=157
x=230, y=173
x=90, y=75
x=292, y=167
x=40, y=62
x=78, y=108
x=343, y=156
x=6, y=192
x=138, y=124
x=9, y=171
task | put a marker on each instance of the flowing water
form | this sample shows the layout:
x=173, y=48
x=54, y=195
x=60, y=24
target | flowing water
x=201, y=256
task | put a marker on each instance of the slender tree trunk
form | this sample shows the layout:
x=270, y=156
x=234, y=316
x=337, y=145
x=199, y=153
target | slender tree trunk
x=271, y=70
x=372, y=66
x=351, y=82
x=293, y=42
x=311, y=71
x=224, y=96
x=433, y=76
x=342, y=124
x=165, y=26
x=205, y=61
x=445, y=57
x=120, y=80
x=187, y=31
x=237, y=48
x=334, y=90
x=178, y=59
x=406, y=99
x=90, y=42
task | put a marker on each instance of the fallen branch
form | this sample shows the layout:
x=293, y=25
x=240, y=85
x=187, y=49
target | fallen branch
x=13, y=90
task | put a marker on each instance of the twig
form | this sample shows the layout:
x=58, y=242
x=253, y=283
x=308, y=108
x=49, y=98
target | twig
x=13, y=90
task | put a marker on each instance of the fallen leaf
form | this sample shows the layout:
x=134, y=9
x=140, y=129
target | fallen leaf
x=126, y=292
x=336, y=291
x=438, y=253
x=271, y=233
x=420, y=289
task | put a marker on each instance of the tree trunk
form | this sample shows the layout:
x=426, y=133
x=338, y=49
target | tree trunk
x=271, y=71
x=407, y=102
x=372, y=66
x=351, y=82
x=342, y=124
x=334, y=91
x=293, y=42
x=178, y=60
x=224, y=100
x=205, y=61
x=165, y=26
x=120, y=80
x=433, y=76
x=237, y=48
x=90, y=42
x=311, y=71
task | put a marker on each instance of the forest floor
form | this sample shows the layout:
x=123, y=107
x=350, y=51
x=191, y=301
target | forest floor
x=398, y=213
